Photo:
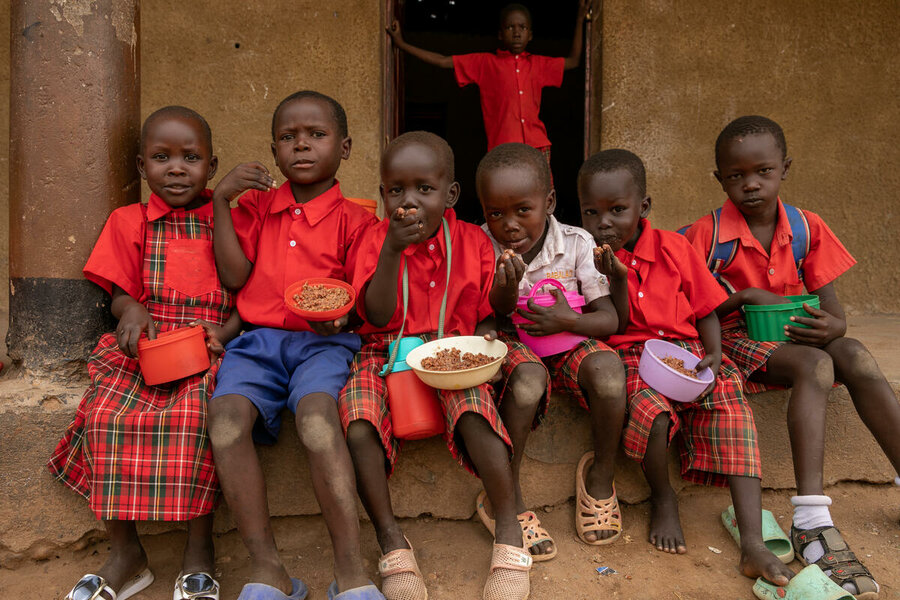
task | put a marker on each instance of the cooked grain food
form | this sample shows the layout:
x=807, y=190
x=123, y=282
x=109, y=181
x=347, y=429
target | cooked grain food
x=678, y=365
x=452, y=359
x=318, y=297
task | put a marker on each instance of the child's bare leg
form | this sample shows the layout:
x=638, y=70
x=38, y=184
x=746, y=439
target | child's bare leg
x=372, y=484
x=199, y=551
x=126, y=554
x=871, y=393
x=231, y=419
x=665, y=524
x=334, y=484
x=810, y=374
x=602, y=377
x=756, y=559
x=490, y=456
x=526, y=387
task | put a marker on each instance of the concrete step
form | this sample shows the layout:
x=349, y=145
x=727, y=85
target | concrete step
x=38, y=515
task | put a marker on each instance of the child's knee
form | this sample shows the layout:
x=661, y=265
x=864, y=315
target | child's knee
x=815, y=368
x=317, y=424
x=660, y=427
x=360, y=435
x=854, y=360
x=603, y=377
x=527, y=385
x=230, y=420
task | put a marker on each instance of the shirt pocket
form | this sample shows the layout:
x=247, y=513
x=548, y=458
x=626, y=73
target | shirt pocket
x=191, y=267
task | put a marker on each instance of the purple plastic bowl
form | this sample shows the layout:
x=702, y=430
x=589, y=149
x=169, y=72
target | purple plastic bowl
x=666, y=380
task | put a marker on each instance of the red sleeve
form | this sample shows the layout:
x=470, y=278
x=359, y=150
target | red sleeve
x=248, y=217
x=827, y=258
x=468, y=68
x=700, y=235
x=701, y=288
x=488, y=264
x=118, y=255
x=368, y=249
x=358, y=222
x=549, y=70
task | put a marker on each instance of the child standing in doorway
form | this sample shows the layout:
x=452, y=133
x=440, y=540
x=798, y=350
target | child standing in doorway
x=140, y=452
x=510, y=80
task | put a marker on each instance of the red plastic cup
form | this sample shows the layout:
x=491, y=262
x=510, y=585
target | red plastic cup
x=415, y=409
x=173, y=355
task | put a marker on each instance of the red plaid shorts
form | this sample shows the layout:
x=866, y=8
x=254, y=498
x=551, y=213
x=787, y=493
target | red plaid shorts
x=564, y=368
x=718, y=435
x=365, y=397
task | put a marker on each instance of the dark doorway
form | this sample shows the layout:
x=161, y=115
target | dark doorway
x=429, y=98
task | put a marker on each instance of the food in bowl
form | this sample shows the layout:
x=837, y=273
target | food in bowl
x=453, y=359
x=678, y=365
x=318, y=297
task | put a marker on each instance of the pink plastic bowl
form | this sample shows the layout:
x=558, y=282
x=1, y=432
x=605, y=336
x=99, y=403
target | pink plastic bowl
x=666, y=380
x=548, y=345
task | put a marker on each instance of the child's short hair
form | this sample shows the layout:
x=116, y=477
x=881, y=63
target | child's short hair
x=751, y=125
x=518, y=155
x=176, y=111
x=613, y=160
x=424, y=138
x=515, y=7
x=337, y=111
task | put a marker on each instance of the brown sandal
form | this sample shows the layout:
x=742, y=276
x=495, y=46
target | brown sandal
x=533, y=533
x=592, y=514
x=400, y=575
x=509, y=574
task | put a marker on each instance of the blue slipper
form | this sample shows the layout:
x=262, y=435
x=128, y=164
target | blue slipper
x=366, y=592
x=261, y=591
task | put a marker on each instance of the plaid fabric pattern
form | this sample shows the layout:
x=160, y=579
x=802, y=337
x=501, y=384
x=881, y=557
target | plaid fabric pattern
x=365, y=397
x=718, y=435
x=140, y=452
x=748, y=355
x=564, y=368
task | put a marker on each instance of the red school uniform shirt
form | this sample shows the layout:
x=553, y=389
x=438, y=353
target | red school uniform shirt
x=774, y=271
x=669, y=288
x=510, y=87
x=287, y=241
x=118, y=256
x=471, y=277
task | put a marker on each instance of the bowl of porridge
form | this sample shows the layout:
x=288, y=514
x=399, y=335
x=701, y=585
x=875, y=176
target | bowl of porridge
x=457, y=363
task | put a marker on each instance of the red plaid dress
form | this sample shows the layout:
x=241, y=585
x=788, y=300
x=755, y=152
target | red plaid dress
x=140, y=452
x=718, y=435
x=365, y=397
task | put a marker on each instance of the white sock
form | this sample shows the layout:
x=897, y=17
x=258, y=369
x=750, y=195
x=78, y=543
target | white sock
x=896, y=480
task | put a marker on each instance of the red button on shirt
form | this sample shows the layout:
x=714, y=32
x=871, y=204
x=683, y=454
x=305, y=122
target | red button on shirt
x=287, y=242
x=669, y=288
x=510, y=87
x=774, y=271
x=470, y=279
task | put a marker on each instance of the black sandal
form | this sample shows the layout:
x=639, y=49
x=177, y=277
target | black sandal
x=838, y=558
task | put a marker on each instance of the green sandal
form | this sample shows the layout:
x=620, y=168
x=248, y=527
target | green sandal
x=838, y=558
x=809, y=584
x=774, y=537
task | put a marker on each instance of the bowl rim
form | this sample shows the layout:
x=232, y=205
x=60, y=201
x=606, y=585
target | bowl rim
x=324, y=315
x=172, y=336
x=784, y=306
x=695, y=380
x=418, y=365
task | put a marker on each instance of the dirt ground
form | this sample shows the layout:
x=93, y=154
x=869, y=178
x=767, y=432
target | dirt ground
x=454, y=555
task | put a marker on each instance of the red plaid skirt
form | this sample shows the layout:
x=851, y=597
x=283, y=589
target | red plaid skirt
x=564, y=368
x=365, y=397
x=718, y=435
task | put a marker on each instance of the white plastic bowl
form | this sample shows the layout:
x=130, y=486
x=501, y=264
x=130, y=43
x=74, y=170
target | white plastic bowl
x=463, y=378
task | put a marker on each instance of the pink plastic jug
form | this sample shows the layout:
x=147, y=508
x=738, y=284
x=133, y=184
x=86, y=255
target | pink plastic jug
x=549, y=344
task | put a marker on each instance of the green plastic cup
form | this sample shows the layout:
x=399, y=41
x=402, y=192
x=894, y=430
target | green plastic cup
x=765, y=322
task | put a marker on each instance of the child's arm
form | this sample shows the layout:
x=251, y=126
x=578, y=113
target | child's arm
x=755, y=296
x=231, y=262
x=432, y=58
x=606, y=261
x=505, y=291
x=574, y=58
x=711, y=337
x=826, y=323
x=381, y=293
x=134, y=319
x=217, y=336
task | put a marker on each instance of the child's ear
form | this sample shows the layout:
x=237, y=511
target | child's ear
x=718, y=176
x=274, y=153
x=645, y=207
x=452, y=195
x=551, y=201
x=787, y=165
x=213, y=167
x=140, y=167
x=381, y=193
x=346, y=143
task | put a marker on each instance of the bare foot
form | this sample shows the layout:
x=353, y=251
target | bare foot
x=665, y=525
x=599, y=486
x=391, y=538
x=271, y=573
x=122, y=565
x=199, y=555
x=758, y=561
x=537, y=549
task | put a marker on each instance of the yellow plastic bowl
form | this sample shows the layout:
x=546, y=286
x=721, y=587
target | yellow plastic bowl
x=463, y=378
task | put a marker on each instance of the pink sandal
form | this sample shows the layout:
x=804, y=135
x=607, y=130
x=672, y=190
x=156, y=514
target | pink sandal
x=400, y=575
x=592, y=514
x=509, y=574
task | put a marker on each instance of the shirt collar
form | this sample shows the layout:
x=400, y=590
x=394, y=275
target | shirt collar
x=554, y=242
x=733, y=226
x=316, y=209
x=645, y=247
x=157, y=207
x=450, y=216
x=507, y=54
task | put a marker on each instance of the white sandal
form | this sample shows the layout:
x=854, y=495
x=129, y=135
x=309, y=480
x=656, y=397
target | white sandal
x=196, y=586
x=90, y=587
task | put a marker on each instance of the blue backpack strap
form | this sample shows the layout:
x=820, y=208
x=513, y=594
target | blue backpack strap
x=799, y=236
x=720, y=253
x=683, y=230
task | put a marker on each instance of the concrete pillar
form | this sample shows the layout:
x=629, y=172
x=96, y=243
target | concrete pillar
x=74, y=129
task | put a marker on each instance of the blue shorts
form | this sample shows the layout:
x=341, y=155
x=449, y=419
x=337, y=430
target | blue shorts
x=274, y=369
